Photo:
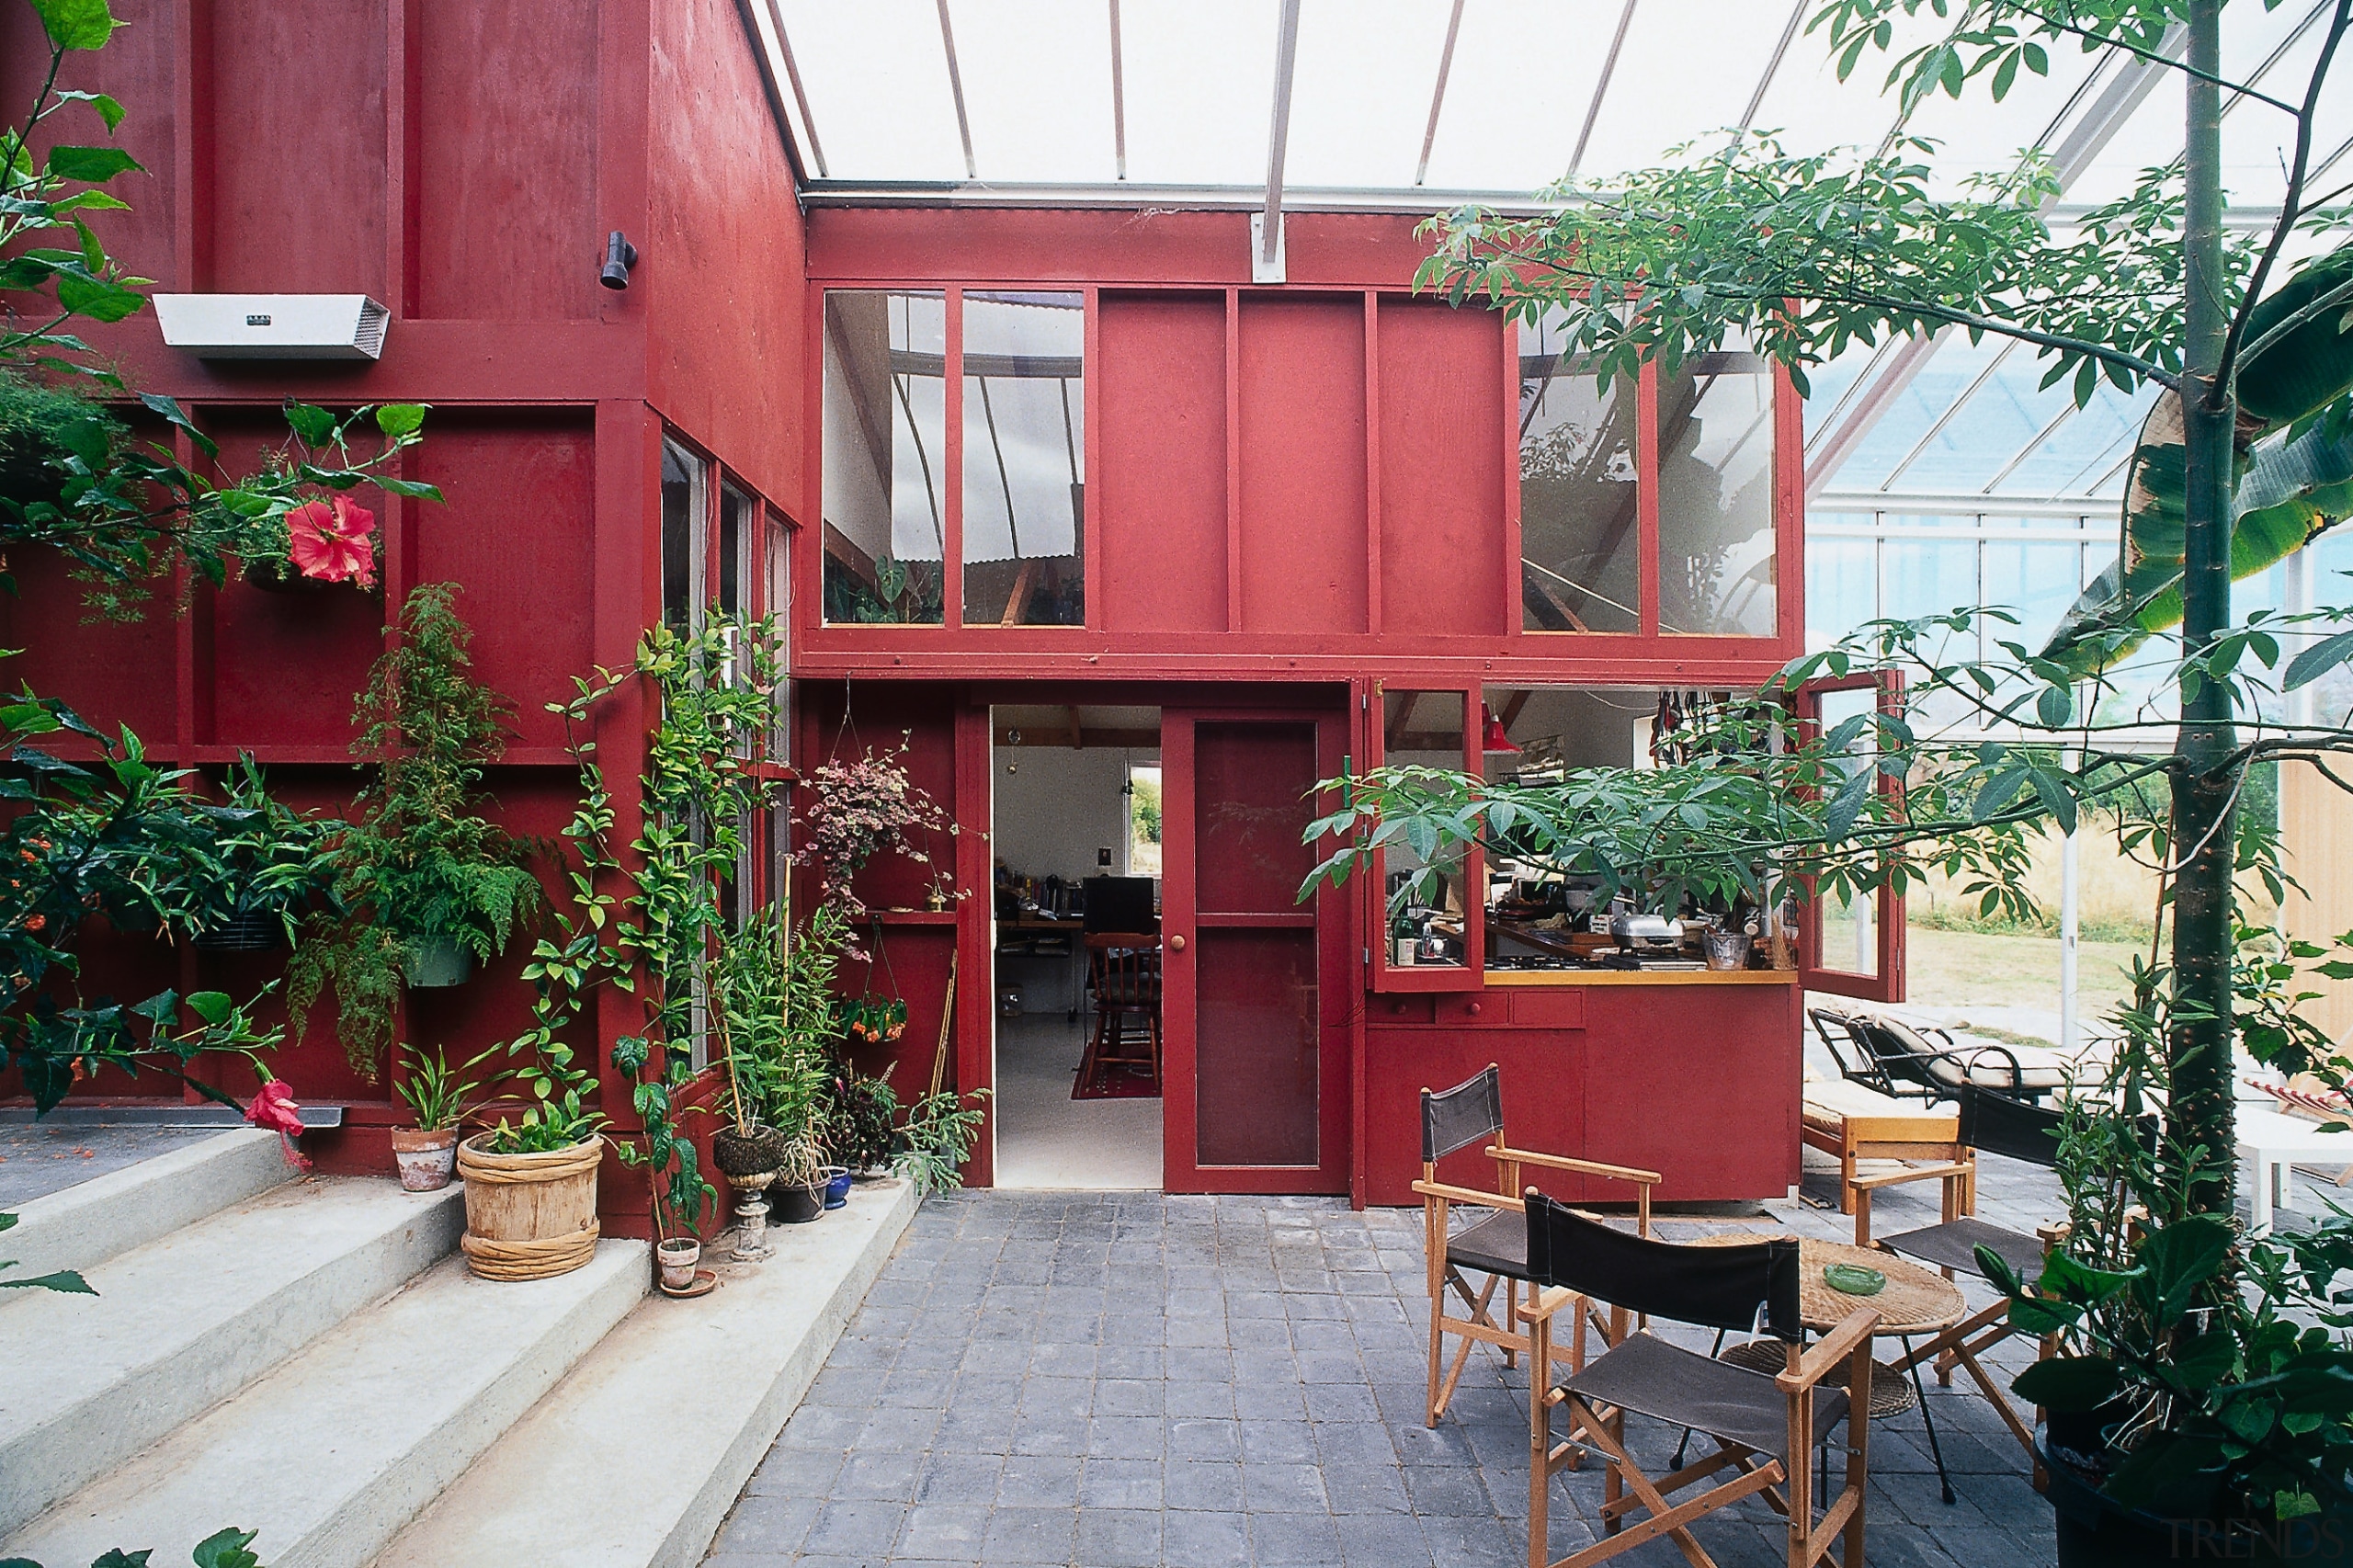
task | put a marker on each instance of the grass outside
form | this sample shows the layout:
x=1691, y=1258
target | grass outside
x=1958, y=968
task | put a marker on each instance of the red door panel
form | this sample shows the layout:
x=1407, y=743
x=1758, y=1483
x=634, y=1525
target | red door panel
x=1255, y=983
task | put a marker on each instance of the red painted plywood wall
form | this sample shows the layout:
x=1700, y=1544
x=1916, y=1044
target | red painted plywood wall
x=1302, y=485
x=1159, y=391
x=1443, y=560
x=724, y=244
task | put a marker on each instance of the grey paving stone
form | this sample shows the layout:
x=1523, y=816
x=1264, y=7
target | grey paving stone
x=1021, y=1387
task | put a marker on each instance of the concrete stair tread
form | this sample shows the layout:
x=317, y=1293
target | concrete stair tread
x=93, y=1220
x=331, y=1452
x=186, y=1320
x=682, y=1399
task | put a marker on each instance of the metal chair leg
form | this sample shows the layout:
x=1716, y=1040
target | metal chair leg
x=1927, y=1421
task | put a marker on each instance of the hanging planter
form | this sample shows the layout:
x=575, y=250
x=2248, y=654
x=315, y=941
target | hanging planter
x=434, y=962
x=871, y=1021
x=325, y=543
x=251, y=932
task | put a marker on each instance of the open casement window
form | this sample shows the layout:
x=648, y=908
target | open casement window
x=1854, y=948
x=1425, y=935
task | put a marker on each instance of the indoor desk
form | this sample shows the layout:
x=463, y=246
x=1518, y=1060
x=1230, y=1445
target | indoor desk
x=1021, y=941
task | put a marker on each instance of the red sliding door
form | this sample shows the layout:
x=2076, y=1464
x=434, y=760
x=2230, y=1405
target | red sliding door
x=1256, y=985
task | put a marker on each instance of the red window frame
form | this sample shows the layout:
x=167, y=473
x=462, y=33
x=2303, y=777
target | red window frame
x=1888, y=984
x=1472, y=973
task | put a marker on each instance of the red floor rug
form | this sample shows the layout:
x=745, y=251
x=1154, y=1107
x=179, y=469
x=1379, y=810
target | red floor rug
x=1117, y=1084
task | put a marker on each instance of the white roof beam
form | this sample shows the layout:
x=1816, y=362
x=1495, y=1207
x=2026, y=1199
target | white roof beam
x=1601, y=89
x=1952, y=412
x=1437, y=94
x=956, y=88
x=1266, y=264
x=782, y=54
x=1119, y=99
x=1773, y=66
x=2034, y=444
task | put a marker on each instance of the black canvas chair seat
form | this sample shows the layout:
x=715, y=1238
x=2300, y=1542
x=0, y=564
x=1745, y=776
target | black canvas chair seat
x=1954, y=1244
x=1497, y=1244
x=1733, y=1404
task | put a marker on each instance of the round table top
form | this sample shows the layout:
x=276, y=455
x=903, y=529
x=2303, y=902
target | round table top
x=1916, y=1299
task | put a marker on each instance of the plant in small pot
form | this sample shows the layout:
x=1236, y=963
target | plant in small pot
x=859, y=810
x=2201, y=1399
x=751, y=1014
x=424, y=887
x=272, y=856
x=437, y=1095
x=861, y=1123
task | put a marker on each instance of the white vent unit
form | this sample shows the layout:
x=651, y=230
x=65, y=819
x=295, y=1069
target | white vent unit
x=274, y=327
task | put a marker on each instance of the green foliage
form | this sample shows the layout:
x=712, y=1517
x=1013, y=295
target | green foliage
x=772, y=992
x=1146, y=810
x=121, y=513
x=222, y=1549
x=862, y=1120
x=703, y=782
x=118, y=840
x=416, y=863
x=937, y=1137
x=65, y=1282
x=435, y=1093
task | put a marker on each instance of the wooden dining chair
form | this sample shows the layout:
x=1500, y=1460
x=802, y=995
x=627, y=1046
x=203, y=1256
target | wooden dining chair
x=1494, y=1245
x=1124, y=972
x=1767, y=1425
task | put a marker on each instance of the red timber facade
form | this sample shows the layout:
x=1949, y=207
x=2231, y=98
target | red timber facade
x=1300, y=514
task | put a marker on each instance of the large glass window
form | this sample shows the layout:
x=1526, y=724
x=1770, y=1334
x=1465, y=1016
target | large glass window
x=1716, y=492
x=1578, y=525
x=1024, y=459
x=886, y=456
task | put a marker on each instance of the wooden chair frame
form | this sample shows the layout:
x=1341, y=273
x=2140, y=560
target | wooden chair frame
x=1481, y=1326
x=1964, y=1342
x=1789, y=1491
x=1134, y=958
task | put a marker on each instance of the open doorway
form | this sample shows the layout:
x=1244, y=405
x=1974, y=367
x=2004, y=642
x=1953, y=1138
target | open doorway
x=1075, y=838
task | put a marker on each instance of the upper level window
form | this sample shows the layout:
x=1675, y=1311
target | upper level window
x=1715, y=497
x=686, y=489
x=1579, y=520
x=1024, y=482
x=886, y=456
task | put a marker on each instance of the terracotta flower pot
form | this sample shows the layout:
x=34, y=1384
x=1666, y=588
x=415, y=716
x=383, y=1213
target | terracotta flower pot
x=530, y=1216
x=426, y=1159
x=677, y=1258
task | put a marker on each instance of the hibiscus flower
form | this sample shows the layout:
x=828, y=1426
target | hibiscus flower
x=273, y=1109
x=334, y=542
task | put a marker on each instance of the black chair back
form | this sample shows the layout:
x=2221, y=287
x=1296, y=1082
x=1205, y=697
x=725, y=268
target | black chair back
x=1463, y=1115
x=1119, y=904
x=1848, y=1051
x=2000, y=1125
x=1731, y=1288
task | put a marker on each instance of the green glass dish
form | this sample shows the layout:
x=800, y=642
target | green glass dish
x=1853, y=1279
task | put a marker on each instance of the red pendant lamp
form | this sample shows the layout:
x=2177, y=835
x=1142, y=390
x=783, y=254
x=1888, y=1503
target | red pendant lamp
x=1494, y=740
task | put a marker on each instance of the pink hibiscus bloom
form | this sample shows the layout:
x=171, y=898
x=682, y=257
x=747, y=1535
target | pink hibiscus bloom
x=273, y=1109
x=334, y=542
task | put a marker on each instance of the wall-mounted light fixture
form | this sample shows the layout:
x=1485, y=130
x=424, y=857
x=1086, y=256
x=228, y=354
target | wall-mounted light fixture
x=620, y=256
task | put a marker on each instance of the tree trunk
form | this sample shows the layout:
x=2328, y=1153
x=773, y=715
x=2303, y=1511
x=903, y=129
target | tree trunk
x=2198, y=1042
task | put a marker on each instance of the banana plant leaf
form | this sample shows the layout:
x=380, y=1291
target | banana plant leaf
x=2292, y=486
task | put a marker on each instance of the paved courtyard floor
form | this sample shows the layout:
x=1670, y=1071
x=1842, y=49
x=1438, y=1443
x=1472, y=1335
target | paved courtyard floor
x=1127, y=1379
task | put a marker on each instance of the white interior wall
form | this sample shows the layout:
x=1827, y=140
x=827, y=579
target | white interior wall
x=1056, y=806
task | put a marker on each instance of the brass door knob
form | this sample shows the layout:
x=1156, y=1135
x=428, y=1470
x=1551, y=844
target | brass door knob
x=1176, y=944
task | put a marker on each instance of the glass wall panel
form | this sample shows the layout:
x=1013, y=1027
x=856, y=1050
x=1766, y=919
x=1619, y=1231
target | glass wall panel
x=1715, y=493
x=1841, y=583
x=1025, y=459
x=684, y=475
x=2036, y=582
x=1579, y=563
x=886, y=456
x=1850, y=925
x=1427, y=922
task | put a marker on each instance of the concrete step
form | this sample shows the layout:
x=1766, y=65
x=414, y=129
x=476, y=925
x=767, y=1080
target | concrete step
x=682, y=1400
x=331, y=1453
x=184, y=1322
x=106, y=1216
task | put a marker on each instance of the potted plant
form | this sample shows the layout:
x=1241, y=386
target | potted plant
x=858, y=810
x=2201, y=1397
x=861, y=1123
x=313, y=546
x=424, y=887
x=435, y=1094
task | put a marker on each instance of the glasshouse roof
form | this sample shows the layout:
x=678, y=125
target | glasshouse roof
x=1420, y=105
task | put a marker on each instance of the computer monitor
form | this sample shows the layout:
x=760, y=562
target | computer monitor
x=1119, y=904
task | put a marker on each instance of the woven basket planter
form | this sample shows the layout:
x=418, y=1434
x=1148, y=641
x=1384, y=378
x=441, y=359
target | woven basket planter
x=530, y=1216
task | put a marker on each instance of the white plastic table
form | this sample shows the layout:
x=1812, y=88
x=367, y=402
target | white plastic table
x=2270, y=1143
